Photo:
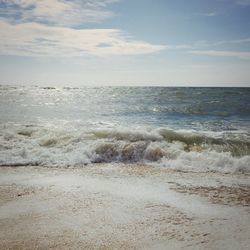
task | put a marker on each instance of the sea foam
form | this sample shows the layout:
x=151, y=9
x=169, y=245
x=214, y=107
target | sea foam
x=163, y=147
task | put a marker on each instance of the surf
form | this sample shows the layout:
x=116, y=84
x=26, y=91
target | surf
x=162, y=147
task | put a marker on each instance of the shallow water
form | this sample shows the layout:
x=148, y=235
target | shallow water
x=201, y=129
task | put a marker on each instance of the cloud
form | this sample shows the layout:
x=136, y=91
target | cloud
x=202, y=44
x=209, y=14
x=243, y=2
x=51, y=28
x=238, y=41
x=34, y=39
x=56, y=12
x=237, y=54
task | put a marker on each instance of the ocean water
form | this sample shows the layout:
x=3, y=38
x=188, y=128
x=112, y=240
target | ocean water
x=197, y=129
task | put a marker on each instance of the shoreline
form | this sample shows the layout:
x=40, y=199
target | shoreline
x=110, y=206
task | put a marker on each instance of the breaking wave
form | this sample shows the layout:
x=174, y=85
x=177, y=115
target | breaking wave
x=181, y=150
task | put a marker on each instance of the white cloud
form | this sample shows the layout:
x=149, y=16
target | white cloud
x=203, y=44
x=209, y=14
x=33, y=39
x=237, y=54
x=46, y=28
x=243, y=2
x=56, y=12
x=238, y=41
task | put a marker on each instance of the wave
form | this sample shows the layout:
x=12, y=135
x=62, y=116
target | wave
x=181, y=150
x=237, y=146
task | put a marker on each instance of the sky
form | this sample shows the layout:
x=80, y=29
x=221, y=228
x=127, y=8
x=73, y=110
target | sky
x=125, y=42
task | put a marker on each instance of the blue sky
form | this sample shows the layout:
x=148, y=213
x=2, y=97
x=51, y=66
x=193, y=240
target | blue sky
x=125, y=42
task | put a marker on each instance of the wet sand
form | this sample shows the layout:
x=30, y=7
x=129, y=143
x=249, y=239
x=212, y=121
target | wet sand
x=111, y=206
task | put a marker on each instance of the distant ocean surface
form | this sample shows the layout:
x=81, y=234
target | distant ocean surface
x=197, y=129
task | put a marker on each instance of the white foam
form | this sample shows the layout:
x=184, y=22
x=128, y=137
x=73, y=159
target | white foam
x=182, y=150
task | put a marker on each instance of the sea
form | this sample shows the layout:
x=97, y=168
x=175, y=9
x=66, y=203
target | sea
x=180, y=128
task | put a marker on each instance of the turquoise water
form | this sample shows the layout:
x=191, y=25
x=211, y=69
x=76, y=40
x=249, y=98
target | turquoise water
x=185, y=128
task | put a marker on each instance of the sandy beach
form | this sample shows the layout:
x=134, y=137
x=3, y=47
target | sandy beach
x=116, y=206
